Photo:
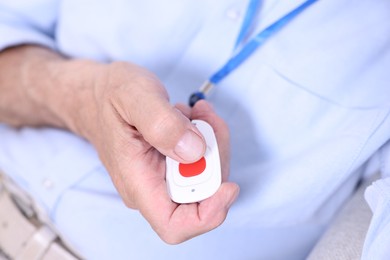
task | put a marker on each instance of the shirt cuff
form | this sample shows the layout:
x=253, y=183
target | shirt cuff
x=13, y=36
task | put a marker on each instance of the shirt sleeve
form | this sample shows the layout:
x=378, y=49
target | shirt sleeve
x=28, y=22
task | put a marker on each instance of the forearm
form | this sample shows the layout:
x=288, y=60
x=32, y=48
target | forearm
x=39, y=87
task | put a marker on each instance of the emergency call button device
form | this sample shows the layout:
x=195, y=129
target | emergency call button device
x=188, y=183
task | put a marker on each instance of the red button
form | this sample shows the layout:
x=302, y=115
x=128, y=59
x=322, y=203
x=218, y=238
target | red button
x=192, y=169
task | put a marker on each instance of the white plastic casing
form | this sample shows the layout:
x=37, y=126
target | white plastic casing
x=202, y=186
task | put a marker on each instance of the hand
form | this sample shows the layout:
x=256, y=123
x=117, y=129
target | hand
x=134, y=127
x=123, y=110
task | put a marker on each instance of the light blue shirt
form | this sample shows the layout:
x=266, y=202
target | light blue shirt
x=307, y=112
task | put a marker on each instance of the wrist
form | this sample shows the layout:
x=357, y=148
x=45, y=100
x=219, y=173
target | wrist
x=57, y=92
x=73, y=96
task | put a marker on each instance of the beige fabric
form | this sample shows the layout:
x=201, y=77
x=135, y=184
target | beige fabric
x=345, y=237
x=26, y=238
x=56, y=252
x=12, y=224
x=2, y=257
x=37, y=245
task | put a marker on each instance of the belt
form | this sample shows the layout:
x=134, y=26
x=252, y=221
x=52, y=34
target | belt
x=25, y=231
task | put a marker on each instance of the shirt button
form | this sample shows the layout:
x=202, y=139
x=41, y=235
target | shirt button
x=233, y=14
x=48, y=184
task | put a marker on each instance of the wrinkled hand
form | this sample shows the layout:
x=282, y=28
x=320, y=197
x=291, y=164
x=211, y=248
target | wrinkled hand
x=133, y=129
x=123, y=110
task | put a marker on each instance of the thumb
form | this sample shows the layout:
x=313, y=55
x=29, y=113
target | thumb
x=168, y=130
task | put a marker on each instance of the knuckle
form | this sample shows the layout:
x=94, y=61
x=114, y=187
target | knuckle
x=164, y=129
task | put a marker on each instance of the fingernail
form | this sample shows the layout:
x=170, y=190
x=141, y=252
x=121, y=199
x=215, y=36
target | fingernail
x=190, y=147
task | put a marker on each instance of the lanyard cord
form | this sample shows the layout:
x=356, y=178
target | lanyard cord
x=249, y=48
x=248, y=22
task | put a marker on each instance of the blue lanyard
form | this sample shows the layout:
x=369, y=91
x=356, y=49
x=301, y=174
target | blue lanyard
x=249, y=48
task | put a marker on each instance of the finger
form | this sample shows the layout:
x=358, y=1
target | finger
x=170, y=131
x=147, y=108
x=186, y=110
x=205, y=216
x=213, y=210
x=176, y=223
x=203, y=110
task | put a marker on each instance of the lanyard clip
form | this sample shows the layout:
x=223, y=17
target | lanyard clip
x=201, y=94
